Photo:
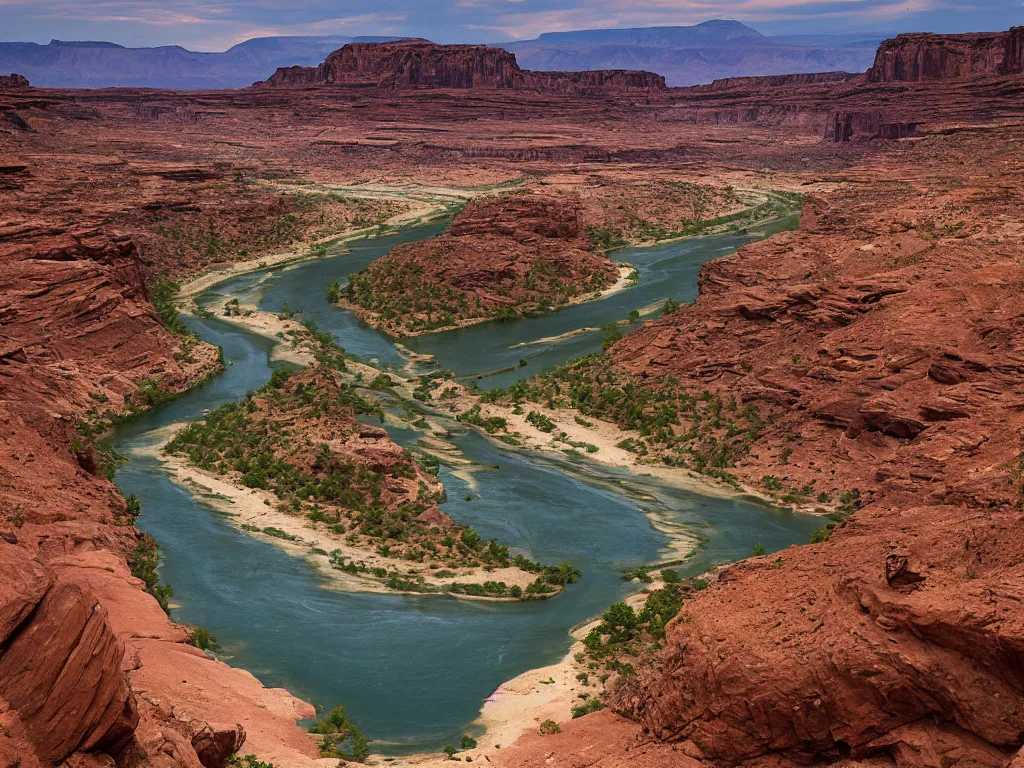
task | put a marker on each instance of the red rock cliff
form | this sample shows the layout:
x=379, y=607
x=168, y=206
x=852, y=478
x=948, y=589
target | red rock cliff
x=419, y=63
x=945, y=57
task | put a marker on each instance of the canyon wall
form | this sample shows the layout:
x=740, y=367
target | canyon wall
x=91, y=665
x=899, y=634
x=919, y=57
x=418, y=63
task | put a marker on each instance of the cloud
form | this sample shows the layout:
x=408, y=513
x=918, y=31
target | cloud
x=208, y=23
x=603, y=14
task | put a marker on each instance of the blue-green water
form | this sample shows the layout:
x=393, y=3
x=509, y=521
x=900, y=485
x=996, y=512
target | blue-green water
x=412, y=671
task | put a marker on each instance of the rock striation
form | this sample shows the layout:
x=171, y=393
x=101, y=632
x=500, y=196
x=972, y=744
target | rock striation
x=420, y=63
x=768, y=82
x=919, y=57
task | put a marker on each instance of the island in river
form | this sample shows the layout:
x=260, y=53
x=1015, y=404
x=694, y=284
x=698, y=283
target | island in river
x=299, y=466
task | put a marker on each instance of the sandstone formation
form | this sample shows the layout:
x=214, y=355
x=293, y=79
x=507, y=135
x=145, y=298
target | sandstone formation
x=502, y=257
x=712, y=50
x=946, y=57
x=13, y=80
x=419, y=63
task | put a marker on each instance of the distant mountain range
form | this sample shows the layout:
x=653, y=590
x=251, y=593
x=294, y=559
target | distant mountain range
x=697, y=54
x=685, y=55
x=61, y=64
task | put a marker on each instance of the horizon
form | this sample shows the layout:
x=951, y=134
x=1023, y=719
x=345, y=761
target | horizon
x=205, y=26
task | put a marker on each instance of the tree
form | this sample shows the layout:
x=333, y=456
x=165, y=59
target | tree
x=619, y=621
x=471, y=539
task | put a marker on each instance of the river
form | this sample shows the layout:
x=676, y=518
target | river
x=413, y=671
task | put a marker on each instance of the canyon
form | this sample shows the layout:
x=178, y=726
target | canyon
x=878, y=343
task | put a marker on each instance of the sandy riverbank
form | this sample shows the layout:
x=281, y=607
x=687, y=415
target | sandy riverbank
x=603, y=435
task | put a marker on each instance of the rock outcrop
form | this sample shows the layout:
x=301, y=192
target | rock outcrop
x=918, y=57
x=419, y=63
x=13, y=80
x=869, y=124
x=61, y=671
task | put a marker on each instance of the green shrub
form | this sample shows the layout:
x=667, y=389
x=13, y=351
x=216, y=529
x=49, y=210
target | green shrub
x=540, y=421
x=594, y=705
x=822, y=534
x=163, y=296
x=143, y=563
x=549, y=727
x=619, y=620
x=339, y=737
x=203, y=640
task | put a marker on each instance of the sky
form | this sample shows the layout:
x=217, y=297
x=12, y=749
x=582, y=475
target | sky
x=211, y=25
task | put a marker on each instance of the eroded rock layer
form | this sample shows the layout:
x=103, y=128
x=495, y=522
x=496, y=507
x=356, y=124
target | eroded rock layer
x=881, y=341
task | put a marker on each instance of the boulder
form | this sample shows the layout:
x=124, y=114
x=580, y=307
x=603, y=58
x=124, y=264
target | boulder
x=214, y=746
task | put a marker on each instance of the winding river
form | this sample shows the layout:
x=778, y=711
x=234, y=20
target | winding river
x=412, y=671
